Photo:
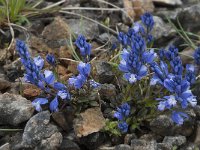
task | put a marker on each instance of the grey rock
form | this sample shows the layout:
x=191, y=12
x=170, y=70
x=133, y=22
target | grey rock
x=5, y=147
x=189, y=2
x=189, y=146
x=14, y=109
x=172, y=15
x=93, y=141
x=164, y=146
x=69, y=145
x=40, y=134
x=197, y=111
x=138, y=144
x=4, y=84
x=56, y=33
x=123, y=147
x=162, y=125
x=197, y=133
x=89, y=29
x=169, y=2
x=129, y=137
x=162, y=31
x=107, y=91
x=175, y=140
x=189, y=18
x=104, y=72
x=150, y=137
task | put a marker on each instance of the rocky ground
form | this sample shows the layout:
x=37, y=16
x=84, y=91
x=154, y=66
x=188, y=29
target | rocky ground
x=68, y=131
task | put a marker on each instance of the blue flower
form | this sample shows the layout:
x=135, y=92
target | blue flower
x=197, y=56
x=54, y=104
x=176, y=65
x=149, y=56
x=122, y=111
x=50, y=58
x=78, y=81
x=123, y=38
x=49, y=76
x=94, y=84
x=179, y=117
x=162, y=54
x=84, y=69
x=132, y=67
x=167, y=102
x=38, y=102
x=147, y=20
x=171, y=53
x=160, y=73
x=123, y=126
x=39, y=62
x=85, y=48
x=59, y=86
x=190, y=74
x=64, y=94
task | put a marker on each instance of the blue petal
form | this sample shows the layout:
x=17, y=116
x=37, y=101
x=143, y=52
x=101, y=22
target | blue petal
x=49, y=76
x=38, y=102
x=59, y=86
x=39, y=62
x=169, y=84
x=64, y=94
x=54, y=105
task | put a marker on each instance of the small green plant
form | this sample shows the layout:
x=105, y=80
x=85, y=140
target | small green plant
x=12, y=10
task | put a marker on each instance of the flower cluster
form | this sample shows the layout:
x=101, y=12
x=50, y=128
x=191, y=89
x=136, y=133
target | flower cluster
x=174, y=80
x=83, y=68
x=135, y=56
x=121, y=114
x=45, y=80
x=84, y=47
x=197, y=56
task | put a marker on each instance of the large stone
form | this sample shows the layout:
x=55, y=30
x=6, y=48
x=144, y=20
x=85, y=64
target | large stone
x=189, y=18
x=108, y=91
x=162, y=125
x=40, y=134
x=89, y=29
x=138, y=144
x=93, y=141
x=14, y=109
x=88, y=122
x=56, y=33
x=104, y=72
x=162, y=32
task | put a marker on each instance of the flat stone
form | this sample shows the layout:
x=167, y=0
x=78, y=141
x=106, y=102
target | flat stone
x=4, y=84
x=123, y=147
x=88, y=122
x=14, y=109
